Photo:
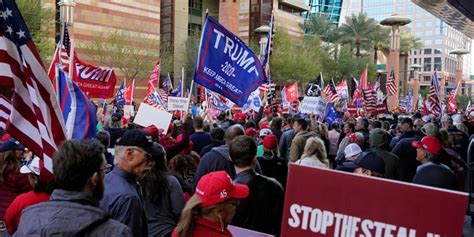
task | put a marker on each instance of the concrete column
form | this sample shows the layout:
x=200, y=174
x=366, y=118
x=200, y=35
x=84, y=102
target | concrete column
x=394, y=64
x=229, y=15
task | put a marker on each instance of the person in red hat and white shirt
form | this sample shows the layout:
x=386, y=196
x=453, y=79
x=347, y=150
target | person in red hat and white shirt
x=40, y=193
x=211, y=209
x=428, y=151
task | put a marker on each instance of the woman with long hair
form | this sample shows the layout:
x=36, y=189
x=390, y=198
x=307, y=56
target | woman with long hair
x=314, y=154
x=211, y=209
x=163, y=196
x=12, y=182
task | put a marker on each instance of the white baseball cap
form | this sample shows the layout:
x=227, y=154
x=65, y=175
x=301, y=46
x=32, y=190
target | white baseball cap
x=32, y=167
x=352, y=150
x=264, y=132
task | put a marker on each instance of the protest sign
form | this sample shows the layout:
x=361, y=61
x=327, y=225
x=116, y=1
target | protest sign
x=128, y=111
x=226, y=65
x=315, y=105
x=238, y=231
x=95, y=82
x=253, y=103
x=148, y=115
x=178, y=103
x=357, y=205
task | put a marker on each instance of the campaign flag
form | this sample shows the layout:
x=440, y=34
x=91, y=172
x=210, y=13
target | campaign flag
x=167, y=85
x=283, y=96
x=178, y=91
x=314, y=88
x=5, y=110
x=354, y=87
x=78, y=112
x=35, y=120
x=392, y=88
x=129, y=93
x=330, y=91
x=377, y=82
x=342, y=89
x=226, y=65
x=254, y=103
x=96, y=82
x=216, y=101
x=331, y=113
x=268, y=47
x=291, y=92
x=409, y=101
x=452, y=106
x=120, y=96
x=433, y=98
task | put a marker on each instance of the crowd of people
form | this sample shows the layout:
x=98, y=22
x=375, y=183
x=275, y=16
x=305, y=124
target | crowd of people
x=206, y=173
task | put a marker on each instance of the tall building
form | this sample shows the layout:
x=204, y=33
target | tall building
x=332, y=8
x=438, y=38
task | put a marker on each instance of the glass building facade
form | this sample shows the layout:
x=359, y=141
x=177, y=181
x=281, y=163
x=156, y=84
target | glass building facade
x=331, y=8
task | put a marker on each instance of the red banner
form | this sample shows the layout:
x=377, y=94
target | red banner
x=291, y=92
x=95, y=82
x=332, y=203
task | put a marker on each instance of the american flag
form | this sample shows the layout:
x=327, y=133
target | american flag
x=330, y=91
x=163, y=95
x=61, y=55
x=392, y=89
x=370, y=98
x=433, y=97
x=5, y=110
x=35, y=120
x=154, y=98
x=155, y=74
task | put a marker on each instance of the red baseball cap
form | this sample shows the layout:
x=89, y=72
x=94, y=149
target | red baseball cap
x=217, y=187
x=352, y=136
x=267, y=111
x=270, y=142
x=430, y=144
x=250, y=132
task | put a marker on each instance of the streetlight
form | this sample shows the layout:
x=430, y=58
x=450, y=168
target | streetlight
x=263, y=32
x=459, y=53
x=395, y=21
x=67, y=11
x=416, y=83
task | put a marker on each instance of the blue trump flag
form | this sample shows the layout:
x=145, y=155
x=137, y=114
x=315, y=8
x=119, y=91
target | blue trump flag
x=226, y=65
x=119, y=96
x=78, y=112
x=331, y=114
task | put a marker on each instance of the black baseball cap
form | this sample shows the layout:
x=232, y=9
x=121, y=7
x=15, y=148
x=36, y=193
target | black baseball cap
x=368, y=160
x=137, y=138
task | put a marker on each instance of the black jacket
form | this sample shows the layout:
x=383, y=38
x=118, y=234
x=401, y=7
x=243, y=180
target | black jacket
x=262, y=210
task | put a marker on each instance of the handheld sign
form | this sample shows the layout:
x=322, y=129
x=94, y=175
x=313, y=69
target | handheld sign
x=128, y=111
x=178, y=103
x=315, y=105
x=148, y=115
x=226, y=65
x=356, y=205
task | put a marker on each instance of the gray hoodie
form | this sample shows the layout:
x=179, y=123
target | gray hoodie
x=69, y=213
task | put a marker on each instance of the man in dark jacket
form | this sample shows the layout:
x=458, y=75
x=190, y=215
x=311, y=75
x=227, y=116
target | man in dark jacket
x=407, y=154
x=79, y=170
x=122, y=197
x=218, y=158
x=262, y=210
x=378, y=140
x=217, y=138
x=362, y=126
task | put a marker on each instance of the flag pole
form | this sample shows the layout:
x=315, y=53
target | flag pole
x=182, y=82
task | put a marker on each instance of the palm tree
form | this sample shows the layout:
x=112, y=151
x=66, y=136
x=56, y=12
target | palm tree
x=320, y=25
x=407, y=43
x=381, y=41
x=358, y=31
